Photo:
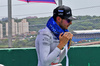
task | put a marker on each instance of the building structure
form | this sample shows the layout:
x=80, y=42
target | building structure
x=79, y=35
x=23, y=27
x=14, y=28
x=18, y=28
x=1, y=31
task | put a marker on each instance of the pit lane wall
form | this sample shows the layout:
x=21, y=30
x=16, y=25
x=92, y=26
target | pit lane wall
x=78, y=56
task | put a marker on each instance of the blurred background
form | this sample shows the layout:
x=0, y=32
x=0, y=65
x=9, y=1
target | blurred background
x=29, y=18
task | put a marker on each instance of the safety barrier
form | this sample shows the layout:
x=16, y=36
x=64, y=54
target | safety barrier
x=78, y=56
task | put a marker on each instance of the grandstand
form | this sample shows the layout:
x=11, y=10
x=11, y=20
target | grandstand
x=79, y=35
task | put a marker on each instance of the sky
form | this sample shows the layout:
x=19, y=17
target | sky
x=22, y=9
